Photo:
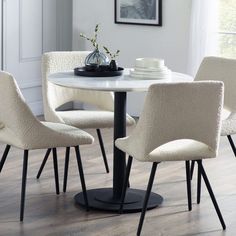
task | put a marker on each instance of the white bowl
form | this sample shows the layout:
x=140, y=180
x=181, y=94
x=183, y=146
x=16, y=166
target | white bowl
x=149, y=62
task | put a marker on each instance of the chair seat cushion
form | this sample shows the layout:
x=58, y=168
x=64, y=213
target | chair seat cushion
x=178, y=150
x=47, y=135
x=228, y=123
x=91, y=119
x=228, y=127
x=62, y=135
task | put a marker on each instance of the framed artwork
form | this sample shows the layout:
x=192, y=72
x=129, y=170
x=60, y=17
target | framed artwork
x=138, y=12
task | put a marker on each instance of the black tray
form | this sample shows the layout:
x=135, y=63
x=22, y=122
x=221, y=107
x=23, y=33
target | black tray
x=81, y=71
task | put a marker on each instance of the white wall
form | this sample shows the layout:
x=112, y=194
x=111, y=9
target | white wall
x=1, y=35
x=169, y=41
x=23, y=44
x=64, y=18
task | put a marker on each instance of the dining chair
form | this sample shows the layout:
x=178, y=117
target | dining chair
x=221, y=69
x=54, y=96
x=173, y=126
x=21, y=129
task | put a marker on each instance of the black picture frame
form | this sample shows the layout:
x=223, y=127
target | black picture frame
x=130, y=12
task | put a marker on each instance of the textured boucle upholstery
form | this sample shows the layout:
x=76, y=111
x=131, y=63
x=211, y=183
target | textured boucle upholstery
x=55, y=96
x=229, y=125
x=222, y=69
x=183, y=149
x=173, y=124
x=83, y=118
x=21, y=129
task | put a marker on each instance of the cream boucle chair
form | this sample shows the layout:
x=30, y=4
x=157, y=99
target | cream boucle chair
x=55, y=96
x=221, y=69
x=21, y=129
x=174, y=127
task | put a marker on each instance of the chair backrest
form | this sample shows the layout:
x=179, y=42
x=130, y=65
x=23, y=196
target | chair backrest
x=55, y=96
x=178, y=111
x=220, y=69
x=15, y=117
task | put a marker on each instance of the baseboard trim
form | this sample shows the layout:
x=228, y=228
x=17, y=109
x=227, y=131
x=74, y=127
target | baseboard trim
x=36, y=107
x=31, y=84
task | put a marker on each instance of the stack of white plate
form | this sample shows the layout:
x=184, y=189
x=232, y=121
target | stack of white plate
x=150, y=68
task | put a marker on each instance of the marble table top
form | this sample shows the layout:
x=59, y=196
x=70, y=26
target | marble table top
x=124, y=83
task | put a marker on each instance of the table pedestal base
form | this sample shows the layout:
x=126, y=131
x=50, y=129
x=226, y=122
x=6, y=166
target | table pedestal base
x=101, y=199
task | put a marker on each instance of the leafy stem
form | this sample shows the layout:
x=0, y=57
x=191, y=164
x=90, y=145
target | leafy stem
x=112, y=55
x=93, y=39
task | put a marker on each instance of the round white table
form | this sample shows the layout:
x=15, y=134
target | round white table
x=109, y=198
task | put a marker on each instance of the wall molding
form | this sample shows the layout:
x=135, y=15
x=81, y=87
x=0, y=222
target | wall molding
x=28, y=59
x=1, y=29
x=4, y=33
x=36, y=107
x=31, y=84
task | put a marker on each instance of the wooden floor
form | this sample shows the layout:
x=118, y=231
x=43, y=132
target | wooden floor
x=49, y=214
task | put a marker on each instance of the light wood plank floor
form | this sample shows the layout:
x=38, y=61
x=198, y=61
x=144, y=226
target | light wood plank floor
x=48, y=214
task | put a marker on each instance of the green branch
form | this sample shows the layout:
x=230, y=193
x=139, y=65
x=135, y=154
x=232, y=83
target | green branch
x=111, y=55
x=93, y=39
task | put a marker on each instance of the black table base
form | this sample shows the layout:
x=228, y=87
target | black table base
x=102, y=200
x=108, y=199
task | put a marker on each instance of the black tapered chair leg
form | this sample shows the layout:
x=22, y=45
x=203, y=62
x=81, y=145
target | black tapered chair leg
x=128, y=179
x=23, y=186
x=4, y=156
x=203, y=173
x=126, y=183
x=192, y=169
x=232, y=144
x=55, y=165
x=43, y=163
x=147, y=195
x=102, y=150
x=199, y=180
x=67, y=157
x=188, y=180
x=81, y=173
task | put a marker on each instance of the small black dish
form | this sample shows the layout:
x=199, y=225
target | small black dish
x=103, y=68
x=92, y=67
x=82, y=71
